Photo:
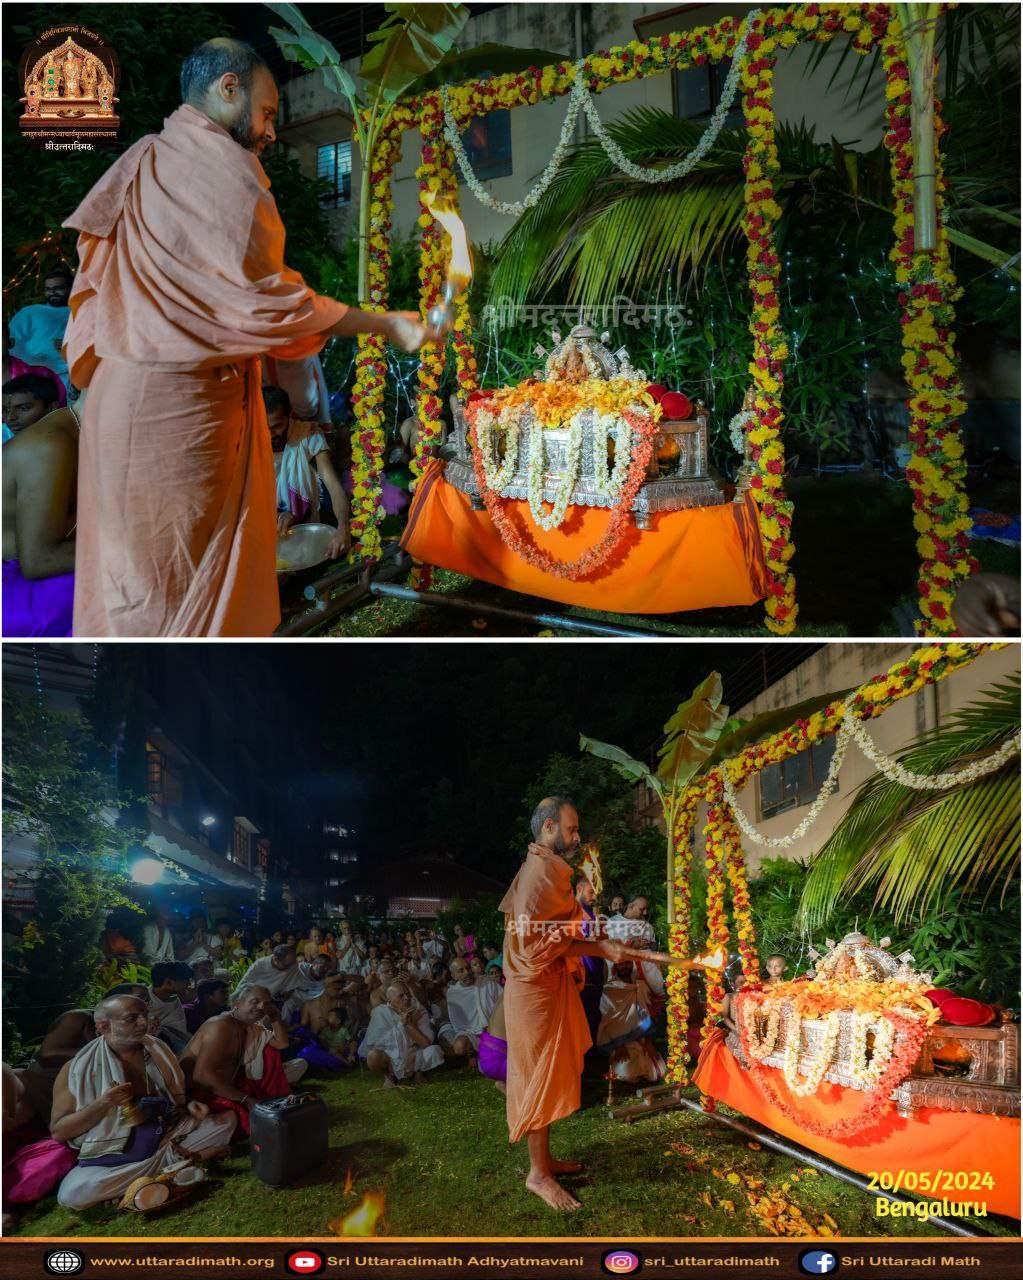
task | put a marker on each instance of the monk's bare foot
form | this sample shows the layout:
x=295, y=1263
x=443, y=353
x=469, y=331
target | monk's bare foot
x=550, y=1190
x=501, y=1086
x=567, y=1166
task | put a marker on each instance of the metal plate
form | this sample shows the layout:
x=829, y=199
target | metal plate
x=304, y=546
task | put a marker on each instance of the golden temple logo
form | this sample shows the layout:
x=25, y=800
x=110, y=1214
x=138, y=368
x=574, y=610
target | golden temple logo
x=69, y=79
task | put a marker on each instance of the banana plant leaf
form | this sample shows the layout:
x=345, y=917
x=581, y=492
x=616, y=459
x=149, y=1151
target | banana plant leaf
x=623, y=764
x=409, y=44
x=301, y=44
x=460, y=66
x=692, y=733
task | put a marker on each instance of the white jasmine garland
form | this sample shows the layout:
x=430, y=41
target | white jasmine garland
x=609, y=485
x=500, y=477
x=761, y=1047
x=579, y=97
x=548, y=520
x=897, y=772
x=868, y=1075
x=819, y=1065
x=737, y=429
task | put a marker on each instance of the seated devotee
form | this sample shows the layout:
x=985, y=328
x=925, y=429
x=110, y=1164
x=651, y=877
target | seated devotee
x=121, y=1103
x=617, y=907
x=385, y=974
x=234, y=1059
x=157, y=939
x=493, y=1048
x=117, y=940
x=264, y=948
x=398, y=1043
x=372, y=959
x=26, y=399
x=34, y=1163
x=211, y=998
x=40, y=466
x=311, y=978
x=727, y=1019
x=492, y=958
x=432, y=945
x=625, y=1026
x=330, y=944
x=198, y=943
x=278, y=972
x=225, y=944
x=351, y=956
x=774, y=968
x=316, y=1016
x=314, y=1011
x=338, y=1039
x=170, y=981
x=301, y=460
x=37, y=334
x=477, y=965
x=470, y=1002
x=313, y=946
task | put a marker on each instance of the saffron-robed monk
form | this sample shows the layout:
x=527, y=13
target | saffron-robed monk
x=181, y=289
x=547, y=934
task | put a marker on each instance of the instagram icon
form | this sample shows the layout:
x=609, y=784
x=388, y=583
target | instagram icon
x=621, y=1262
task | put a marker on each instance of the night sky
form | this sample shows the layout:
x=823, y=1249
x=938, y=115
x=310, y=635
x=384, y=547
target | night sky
x=429, y=749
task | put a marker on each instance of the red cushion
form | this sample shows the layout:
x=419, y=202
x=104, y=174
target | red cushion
x=656, y=390
x=960, y=1011
x=675, y=406
x=938, y=996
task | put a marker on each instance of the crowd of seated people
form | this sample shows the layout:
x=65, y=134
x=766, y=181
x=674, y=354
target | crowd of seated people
x=228, y=1019
x=170, y=1069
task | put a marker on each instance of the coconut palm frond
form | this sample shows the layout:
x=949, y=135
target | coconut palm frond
x=915, y=848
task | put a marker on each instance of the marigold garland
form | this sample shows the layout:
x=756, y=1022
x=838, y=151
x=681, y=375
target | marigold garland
x=928, y=290
x=717, y=923
x=677, y=980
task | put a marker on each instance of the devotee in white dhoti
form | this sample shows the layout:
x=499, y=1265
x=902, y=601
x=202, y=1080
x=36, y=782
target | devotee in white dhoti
x=278, y=972
x=625, y=1026
x=398, y=1043
x=633, y=928
x=157, y=940
x=170, y=981
x=470, y=1003
x=119, y=1102
x=351, y=954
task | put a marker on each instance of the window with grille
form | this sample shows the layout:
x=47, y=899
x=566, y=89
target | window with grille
x=697, y=91
x=796, y=781
x=487, y=143
x=334, y=166
x=163, y=780
x=241, y=845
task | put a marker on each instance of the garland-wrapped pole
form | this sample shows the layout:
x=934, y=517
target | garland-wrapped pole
x=679, y=942
x=919, y=35
x=927, y=293
x=770, y=350
x=717, y=922
x=369, y=436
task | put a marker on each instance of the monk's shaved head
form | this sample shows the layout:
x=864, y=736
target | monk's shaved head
x=555, y=824
x=215, y=58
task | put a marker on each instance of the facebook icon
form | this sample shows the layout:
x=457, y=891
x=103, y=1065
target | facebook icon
x=817, y=1262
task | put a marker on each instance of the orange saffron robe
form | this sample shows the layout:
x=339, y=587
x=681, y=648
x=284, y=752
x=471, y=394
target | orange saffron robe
x=181, y=288
x=548, y=1035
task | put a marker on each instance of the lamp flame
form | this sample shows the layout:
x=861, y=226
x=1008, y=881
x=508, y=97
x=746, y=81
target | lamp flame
x=348, y=1181
x=713, y=960
x=590, y=868
x=361, y=1221
x=460, y=267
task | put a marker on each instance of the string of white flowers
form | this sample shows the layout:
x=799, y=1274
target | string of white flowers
x=896, y=772
x=609, y=484
x=853, y=729
x=685, y=166
x=498, y=477
x=737, y=429
x=828, y=788
x=515, y=208
x=548, y=520
x=580, y=97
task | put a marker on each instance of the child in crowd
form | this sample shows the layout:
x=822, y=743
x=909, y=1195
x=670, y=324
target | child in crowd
x=775, y=970
x=336, y=1037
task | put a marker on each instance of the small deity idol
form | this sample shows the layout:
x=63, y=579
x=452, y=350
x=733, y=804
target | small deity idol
x=90, y=78
x=51, y=77
x=72, y=74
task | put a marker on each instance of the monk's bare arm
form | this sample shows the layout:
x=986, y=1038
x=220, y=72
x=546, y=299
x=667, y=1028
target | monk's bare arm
x=216, y=1061
x=404, y=328
x=64, y=1039
x=45, y=480
x=280, y=1031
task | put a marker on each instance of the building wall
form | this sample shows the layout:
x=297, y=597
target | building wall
x=844, y=666
x=313, y=114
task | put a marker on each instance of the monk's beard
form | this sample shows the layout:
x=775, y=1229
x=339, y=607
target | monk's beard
x=241, y=130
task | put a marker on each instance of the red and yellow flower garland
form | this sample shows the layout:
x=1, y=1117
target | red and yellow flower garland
x=717, y=922
x=679, y=942
x=369, y=437
x=928, y=291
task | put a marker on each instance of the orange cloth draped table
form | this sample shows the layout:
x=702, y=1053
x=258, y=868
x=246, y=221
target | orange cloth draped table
x=693, y=559
x=929, y=1141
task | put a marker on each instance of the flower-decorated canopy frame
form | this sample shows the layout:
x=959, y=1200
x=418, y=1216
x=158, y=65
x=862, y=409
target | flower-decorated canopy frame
x=723, y=855
x=936, y=470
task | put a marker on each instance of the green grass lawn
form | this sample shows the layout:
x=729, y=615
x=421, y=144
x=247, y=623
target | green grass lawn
x=440, y=1155
x=855, y=567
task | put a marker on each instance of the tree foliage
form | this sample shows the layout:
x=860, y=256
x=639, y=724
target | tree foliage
x=57, y=799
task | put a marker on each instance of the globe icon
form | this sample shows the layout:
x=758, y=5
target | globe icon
x=63, y=1262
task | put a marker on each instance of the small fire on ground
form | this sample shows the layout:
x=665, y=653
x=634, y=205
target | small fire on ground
x=361, y=1221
